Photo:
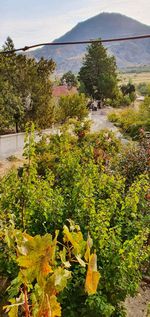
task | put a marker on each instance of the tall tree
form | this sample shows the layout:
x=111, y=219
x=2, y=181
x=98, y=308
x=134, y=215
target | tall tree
x=98, y=73
x=10, y=102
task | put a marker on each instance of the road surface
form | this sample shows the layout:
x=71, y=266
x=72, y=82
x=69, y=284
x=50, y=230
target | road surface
x=100, y=122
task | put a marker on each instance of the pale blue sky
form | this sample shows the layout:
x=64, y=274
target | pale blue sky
x=32, y=21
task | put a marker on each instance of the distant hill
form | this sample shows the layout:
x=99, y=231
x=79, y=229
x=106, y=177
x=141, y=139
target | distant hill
x=104, y=25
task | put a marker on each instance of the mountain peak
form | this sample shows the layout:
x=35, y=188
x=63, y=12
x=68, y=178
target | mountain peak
x=104, y=25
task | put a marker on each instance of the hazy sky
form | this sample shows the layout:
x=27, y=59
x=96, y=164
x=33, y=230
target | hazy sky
x=32, y=21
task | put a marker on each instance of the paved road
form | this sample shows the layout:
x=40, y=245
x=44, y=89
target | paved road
x=12, y=144
x=100, y=120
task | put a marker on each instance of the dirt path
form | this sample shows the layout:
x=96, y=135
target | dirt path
x=137, y=306
x=6, y=164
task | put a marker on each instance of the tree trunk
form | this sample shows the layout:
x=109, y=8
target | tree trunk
x=17, y=128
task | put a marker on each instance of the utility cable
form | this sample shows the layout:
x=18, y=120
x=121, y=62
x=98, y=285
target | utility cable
x=25, y=48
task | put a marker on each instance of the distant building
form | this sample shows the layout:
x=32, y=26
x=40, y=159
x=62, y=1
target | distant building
x=140, y=98
x=58, y=91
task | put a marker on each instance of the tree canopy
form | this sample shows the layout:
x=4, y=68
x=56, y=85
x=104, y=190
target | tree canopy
x=98, y=73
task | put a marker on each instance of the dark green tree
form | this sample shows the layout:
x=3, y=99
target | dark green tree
x=98, y=73
x=128, y=89
x=70, y=79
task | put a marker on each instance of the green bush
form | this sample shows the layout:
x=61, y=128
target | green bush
x=72, y=106
x=121, y=100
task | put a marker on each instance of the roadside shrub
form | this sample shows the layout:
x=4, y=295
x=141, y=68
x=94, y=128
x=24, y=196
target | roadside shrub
x=112, y=116
x=133, y=161
x=121, y=100
x=131, y=121
x=72, y=106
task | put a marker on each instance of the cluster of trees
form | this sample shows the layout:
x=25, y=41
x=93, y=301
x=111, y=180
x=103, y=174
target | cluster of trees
x=84, y=177
x=26, y=87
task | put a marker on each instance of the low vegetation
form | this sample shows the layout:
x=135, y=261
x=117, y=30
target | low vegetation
x=133, y=121
x=144, y=89
x=74, y=176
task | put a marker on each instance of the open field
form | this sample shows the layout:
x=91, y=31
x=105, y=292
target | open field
x=135, y=78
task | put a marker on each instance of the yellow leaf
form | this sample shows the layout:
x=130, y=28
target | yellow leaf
x=92, y=277
x=87, y=254
x=91, y=282
x=69, y=237
x=13, y=312
x=55, y=307
x=27, y=236
x=49, y=307
x=76, y=239
x=88, y=247
x=25, y=261
x=93, y=262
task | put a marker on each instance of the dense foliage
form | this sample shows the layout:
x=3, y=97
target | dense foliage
x=26, y=91
x=90, y=178
x=73, y=175
x=134, y=159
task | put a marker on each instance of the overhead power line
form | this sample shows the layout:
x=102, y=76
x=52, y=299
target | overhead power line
x=25, y=48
